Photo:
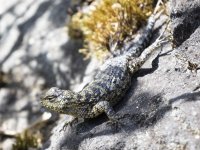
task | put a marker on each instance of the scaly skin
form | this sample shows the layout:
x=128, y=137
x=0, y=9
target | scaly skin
x=108, y=86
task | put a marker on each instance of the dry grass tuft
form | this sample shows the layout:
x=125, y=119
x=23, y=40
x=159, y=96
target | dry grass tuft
x=109, y=23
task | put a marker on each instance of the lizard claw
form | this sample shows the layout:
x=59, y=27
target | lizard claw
x=64, y=127
x=70, y=123
x=115, y=122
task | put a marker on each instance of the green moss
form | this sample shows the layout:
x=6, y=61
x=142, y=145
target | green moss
x=108, y=23
x=25, y=141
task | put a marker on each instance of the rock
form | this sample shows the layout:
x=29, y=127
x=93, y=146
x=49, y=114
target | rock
x=161, y=108
x=185, y=19
x=7, y=144
x=161, y=112
x=188, y=52
x=36, y=54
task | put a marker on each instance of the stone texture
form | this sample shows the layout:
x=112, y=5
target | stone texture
x=35, y=54
x=161, y=112
x=162, y=104
x=185, y=19
x=161, y=108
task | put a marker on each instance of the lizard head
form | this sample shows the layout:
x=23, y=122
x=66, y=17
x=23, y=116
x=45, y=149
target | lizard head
x=58, y=100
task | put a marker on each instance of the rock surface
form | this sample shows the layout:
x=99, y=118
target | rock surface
x=161, y=108
x=185, y=19
x=35, y=54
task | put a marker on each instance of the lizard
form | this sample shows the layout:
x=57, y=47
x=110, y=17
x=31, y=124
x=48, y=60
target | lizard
x=109, y=85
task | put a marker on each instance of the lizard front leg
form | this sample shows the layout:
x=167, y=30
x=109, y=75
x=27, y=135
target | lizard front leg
x=70, y=123
x=103, y=106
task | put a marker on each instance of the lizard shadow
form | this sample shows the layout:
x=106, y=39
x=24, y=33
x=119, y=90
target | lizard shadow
x=145, y=71
x=142, y=110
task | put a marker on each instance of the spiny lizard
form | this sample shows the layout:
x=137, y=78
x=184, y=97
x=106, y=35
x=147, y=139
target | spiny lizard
x=108, y=86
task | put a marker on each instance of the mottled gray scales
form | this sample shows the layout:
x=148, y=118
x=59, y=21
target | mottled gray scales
x=137, y=45
x=108, y=86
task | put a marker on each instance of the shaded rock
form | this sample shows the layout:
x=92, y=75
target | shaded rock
x=185, y=19
x=188, y=53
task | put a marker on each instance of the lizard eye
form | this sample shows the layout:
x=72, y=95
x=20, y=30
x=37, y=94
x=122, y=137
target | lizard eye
x=49, y=97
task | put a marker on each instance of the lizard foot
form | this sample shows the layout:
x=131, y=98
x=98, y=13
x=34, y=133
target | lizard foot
x=115, y=122
x=70, y=123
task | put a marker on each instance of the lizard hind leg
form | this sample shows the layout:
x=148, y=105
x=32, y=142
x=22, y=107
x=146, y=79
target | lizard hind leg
x=135, y=64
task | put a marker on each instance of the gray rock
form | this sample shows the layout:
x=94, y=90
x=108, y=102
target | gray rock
x=7, y=144
x=161, y=112
x=188, y=51
x=161, y=108
x=36, y=54
x=185, y=19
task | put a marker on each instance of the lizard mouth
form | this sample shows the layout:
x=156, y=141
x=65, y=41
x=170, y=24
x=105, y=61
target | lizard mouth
x=50, y=104
x=51, y=95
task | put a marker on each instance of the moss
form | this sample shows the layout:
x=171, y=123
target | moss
x=108, y=23
x=25, y=140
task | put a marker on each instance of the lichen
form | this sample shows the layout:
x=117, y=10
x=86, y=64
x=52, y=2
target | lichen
x=108, y=23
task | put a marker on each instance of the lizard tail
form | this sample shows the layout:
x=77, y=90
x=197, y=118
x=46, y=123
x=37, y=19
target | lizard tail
x=136, y=46
x=136, y=63
x=159, y=41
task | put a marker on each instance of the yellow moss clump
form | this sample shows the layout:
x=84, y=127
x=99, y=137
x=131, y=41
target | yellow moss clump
x=108, y=23
x=26, y=141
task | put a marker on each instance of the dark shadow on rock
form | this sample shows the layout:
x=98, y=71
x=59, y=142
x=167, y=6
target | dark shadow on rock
x=190, y=21
x=25, y=26
x=145, y=71
x=146, y=110
x=186, y=97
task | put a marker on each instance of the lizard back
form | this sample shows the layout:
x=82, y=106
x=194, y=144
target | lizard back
x=110, y=83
